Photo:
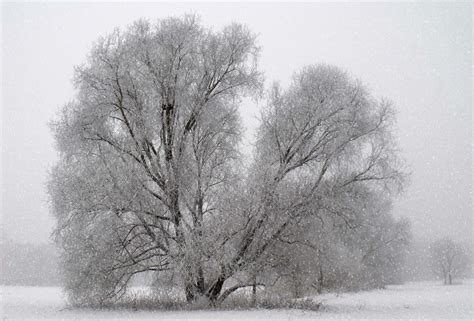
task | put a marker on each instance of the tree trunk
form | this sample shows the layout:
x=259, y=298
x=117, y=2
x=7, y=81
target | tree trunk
x=254, y=290
x=195, y=287
x=190, y=293
x=215, y=289
x=296, y=285
x=200, y=280
x=320, y=279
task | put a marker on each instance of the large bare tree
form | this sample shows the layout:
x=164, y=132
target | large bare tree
x=150, y=136
x=150, y=176
x=318, y=142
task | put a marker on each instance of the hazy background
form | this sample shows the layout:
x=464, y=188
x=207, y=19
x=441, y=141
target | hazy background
x=417, y=55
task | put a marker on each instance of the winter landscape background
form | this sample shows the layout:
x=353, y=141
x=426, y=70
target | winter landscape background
x=417, y=55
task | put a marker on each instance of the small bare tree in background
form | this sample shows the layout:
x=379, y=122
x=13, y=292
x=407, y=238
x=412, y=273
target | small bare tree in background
x=449, y=259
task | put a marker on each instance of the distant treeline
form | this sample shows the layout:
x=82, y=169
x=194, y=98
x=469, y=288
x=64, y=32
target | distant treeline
x=28, y=264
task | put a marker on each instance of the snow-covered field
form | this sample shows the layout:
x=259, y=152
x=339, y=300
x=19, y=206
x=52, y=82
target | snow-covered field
x=426, y=300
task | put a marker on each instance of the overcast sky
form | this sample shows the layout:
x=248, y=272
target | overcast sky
x=417, y=55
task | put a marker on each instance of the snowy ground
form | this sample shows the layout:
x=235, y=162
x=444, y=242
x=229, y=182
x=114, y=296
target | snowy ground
x=426, y=300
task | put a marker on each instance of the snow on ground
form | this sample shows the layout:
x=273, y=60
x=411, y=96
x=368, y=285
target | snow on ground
x=417, y=300
x=420, y=300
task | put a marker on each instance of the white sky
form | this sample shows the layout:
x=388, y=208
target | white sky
x=417, y=55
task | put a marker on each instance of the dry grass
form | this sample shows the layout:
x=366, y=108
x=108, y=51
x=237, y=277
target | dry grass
x=237, y=301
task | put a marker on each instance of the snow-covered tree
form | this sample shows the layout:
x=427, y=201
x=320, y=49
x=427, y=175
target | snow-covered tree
x=150, y=177
x=449, y=259
x=152, y=135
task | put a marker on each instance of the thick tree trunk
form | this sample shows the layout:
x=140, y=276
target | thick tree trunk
x=195, y=288
x=200, y=281
x=215, y=290
x=190, y=293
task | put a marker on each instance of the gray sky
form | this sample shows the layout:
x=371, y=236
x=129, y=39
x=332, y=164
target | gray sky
x=417, y=55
